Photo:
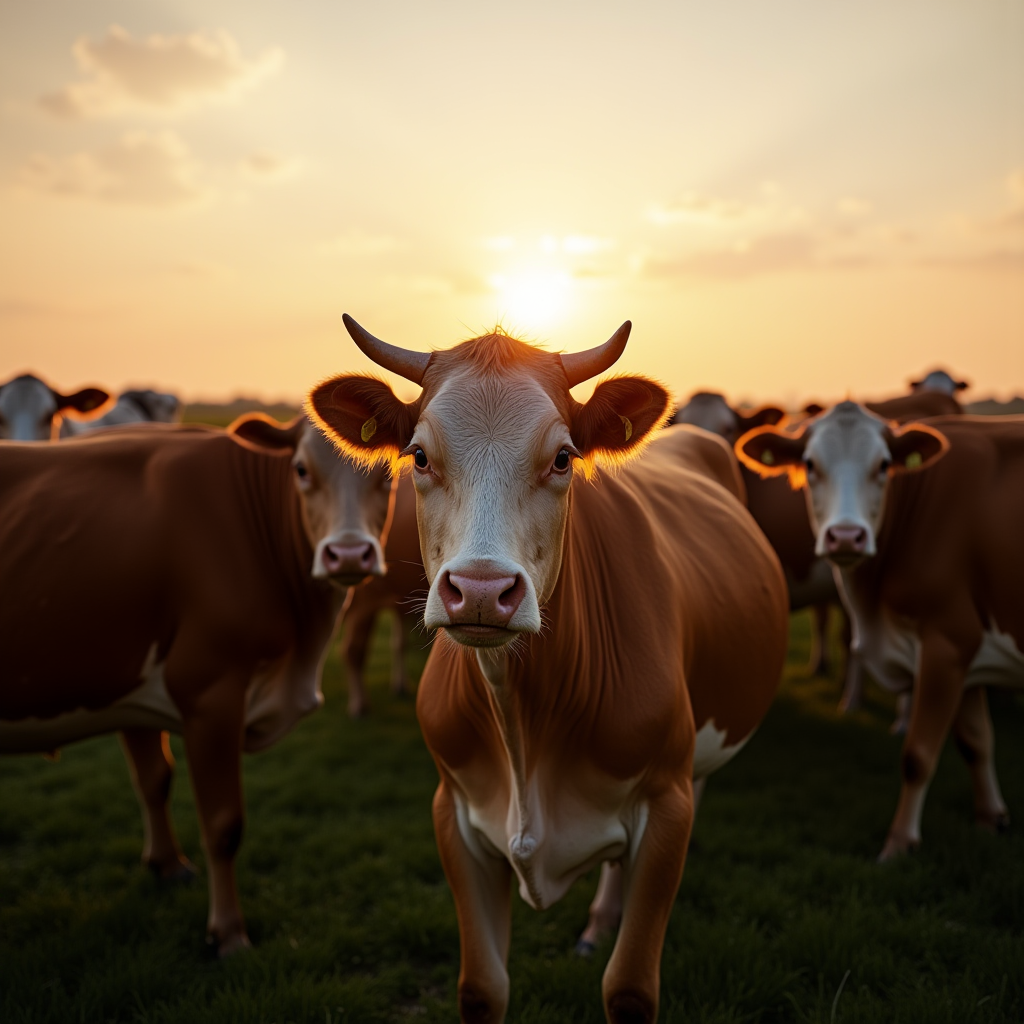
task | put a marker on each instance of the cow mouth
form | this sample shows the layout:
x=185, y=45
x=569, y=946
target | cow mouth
x=846, y=559
x=349, y=579
x=473, y=634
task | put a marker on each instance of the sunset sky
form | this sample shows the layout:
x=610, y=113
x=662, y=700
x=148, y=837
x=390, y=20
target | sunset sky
x=788, y=199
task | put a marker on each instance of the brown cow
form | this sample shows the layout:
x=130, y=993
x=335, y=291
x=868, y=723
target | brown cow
x=401, y=591
x=215, y=571
x=924, y=525
x=28, y=406
x=624, y=636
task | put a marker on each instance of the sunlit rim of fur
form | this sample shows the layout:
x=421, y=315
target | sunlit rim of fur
x=613, y=460
x=365, y=458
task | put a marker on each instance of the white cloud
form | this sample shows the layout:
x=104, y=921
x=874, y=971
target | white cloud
x=157, y=73
x=264, y=166
x=360, y=243
x=143, y=169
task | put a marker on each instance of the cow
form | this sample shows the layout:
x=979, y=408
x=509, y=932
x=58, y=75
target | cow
x=400, y=591
x=779, y=513
x=216, y=564
x=138, y=405
x=28, y=406
x=604, y=642
x=923, y=525
x=940, y=381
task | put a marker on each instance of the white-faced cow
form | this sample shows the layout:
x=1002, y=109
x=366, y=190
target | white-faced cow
x=400, y=591
x=624, y=635
x=924, y=524
x=139, y=405
x=28, y=406
x=216, y=565
x=940, y=381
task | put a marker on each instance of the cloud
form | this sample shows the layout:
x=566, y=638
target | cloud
x=359, y=243
x=162, y=74
x=152, y=169
x=770, y=254
x=265, y=165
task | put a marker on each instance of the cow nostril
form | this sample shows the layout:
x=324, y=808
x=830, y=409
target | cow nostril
x=512, y=597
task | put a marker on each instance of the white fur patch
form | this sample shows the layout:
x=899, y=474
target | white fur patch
x=710, y=750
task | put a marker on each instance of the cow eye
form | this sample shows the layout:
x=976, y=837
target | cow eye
x=420, y=458
x=884, y=466
x=809, y=466
x=562, y=460
x=300, y=471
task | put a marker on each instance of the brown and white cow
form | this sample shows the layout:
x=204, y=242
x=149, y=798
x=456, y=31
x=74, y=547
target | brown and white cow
x=137, y=405
x=401, y=591
x=215, y=567
x=940, y=381
x=28, y=406
x=605, y=642
x=924, y=525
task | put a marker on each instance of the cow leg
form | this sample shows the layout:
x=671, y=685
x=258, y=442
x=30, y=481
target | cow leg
x=819, y=661
x=853, y=685
x=633, y=976
x=972, y=731
x=902, y=719
x=213, y=729
x=400, y=627
x=355, y=645
x=934, y=702
x=481, y=887
x=606, y=909
x=151, y=762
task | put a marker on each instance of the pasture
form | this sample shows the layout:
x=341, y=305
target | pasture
x=782, y=915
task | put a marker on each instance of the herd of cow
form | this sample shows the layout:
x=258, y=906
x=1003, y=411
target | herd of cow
x=605, y=638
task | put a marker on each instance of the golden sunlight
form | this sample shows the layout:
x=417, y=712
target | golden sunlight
x=533, y=299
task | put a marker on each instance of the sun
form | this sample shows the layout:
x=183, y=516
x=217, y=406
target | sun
x=533, y=298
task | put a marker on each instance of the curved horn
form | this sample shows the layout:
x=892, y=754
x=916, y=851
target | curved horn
x=581, y=366
x=410, y=365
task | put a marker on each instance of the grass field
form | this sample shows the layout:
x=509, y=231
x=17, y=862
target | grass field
x=782, y=915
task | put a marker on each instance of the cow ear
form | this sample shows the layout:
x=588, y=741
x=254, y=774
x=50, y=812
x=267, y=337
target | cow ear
x=364, y=417
x=770, y=452
x=961, y=385
x=86, y=400
x=619, y=418
x=767, y=416
x=262, y=433
x=916, y=447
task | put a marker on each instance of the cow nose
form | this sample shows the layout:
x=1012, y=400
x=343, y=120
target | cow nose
x=482, y=601
x=846, y=540
x=349, y=559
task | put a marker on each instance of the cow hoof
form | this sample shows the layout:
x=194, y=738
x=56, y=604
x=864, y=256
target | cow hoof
x=998, y=823
x=174, y=872
x=585, y=949
x=896, y=847
x=231, y=945
x=630, y=1008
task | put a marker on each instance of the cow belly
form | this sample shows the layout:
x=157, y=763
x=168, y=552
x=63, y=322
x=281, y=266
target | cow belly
x=549, y=844
x=148, y=706
x=710, y=751
x=999, y=661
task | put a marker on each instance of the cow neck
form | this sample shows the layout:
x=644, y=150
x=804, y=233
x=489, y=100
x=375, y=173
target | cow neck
x=554, y=684
x=274, y=518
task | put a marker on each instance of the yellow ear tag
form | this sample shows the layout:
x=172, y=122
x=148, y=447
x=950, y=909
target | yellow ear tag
x=913, y=460
x=628, y=426
x=767, y=457
x=369, y=429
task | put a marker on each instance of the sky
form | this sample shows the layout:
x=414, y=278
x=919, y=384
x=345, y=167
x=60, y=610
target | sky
x=789, y=199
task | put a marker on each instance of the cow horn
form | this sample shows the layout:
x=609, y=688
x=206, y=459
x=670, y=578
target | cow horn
x=581, y=366
x=411, y=365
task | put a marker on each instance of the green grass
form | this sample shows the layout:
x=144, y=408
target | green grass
x=352, y=921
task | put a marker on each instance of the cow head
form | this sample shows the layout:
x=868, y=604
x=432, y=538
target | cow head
x=28, y=405
x=941, y=381
x=495, y=438
x=710, y=411
x=346, y=508
x=845, y=461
